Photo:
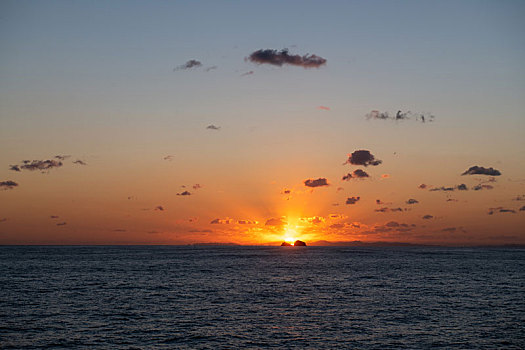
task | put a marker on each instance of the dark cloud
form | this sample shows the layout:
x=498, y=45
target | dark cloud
x=427, y=217
x=316, y=183
x=278, y=58
x=286, y=191
x=159, y=208
x=412, y=201
x=500, y=210
x=452, y=200
x=362, y=157
x=188, y=65
x=196, y=186
x=422, y=186
x=482, y=187
x=185, y=193
x=352, y=200
x=61, y=223
x=8, y=185
x=400, y=115
x=213, y=127
x=275, y=222
x=169, y=157
x=479, y=170
x=79, y=162
x=41, y=165
x=357, y=174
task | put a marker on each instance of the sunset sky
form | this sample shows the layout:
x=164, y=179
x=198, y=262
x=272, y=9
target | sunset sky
x=171, y=122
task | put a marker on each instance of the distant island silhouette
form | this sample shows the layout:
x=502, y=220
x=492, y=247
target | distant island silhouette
x=297, y=243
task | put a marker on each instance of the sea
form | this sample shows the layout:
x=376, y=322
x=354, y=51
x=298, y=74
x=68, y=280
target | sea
x=240, y=297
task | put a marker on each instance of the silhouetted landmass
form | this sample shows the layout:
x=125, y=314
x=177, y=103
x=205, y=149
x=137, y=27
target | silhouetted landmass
x=285, y=244
x=364, y=244
x=214, y=244
x=299, y=243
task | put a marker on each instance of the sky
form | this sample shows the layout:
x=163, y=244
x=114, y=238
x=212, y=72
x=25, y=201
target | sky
x=180, y=122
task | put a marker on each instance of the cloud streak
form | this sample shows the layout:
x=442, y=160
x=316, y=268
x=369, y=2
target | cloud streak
x=8, y=185
x=279, y=58
x=188, y=65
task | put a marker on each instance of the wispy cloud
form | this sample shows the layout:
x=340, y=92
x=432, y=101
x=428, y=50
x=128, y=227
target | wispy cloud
x=79, y=162
x=427, y=217
x=323, y=108
x=385, y=210
x=210, y=68
x=159, y=208
x=188, y=65
x=479, y=170
x=500, y=210
x=8, y=185
x=185, y=193
x=482, y=187
x=197, y=186
x=213, y=127
x=222, y=221
x=61, y=224
x=400, y=115
x=412, y=201
x=278, y=58
x=362, y=157
x=247, y=73
x=461, y=187
x=316, y=183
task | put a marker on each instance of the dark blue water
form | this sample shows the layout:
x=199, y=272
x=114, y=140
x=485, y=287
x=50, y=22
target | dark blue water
x=259, y=297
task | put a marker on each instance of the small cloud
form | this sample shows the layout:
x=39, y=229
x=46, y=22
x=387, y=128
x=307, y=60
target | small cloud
x=400, y=115
x=385, y=176
x=54, y=217
x=314, y=220
x=500, y=210
x=357, y=174
x=210, y=68
x=61, y=223
x=169, y=157
x=8, y=185
x=188, y=65
x=62, y=157
x=196, y=186
x=452, y=200
x=41, y=165
x=185, y=193
x=385, y=210
x=482, y=187
x=275, y=222
x=412, y=201
x=337, y=226
x=323, y=108
x=339, y=189
x=316, y=183
x=362, y=157
x=449, y=229
x=159, y=208
x=522, y=208
x=286, y=191
x=479, y=170
x=379, y=202
x=422, y=186
x=278, y=58
x=222, y=221
x=3, y=220
x=213, y=127
x=352, y=200
x=520, y=197
x=247, y=73
x=462, y=187
x=247, y=222
x=427, y=217
x=79, y=162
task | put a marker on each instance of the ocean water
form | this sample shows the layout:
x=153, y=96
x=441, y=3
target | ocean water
x=165, y=297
